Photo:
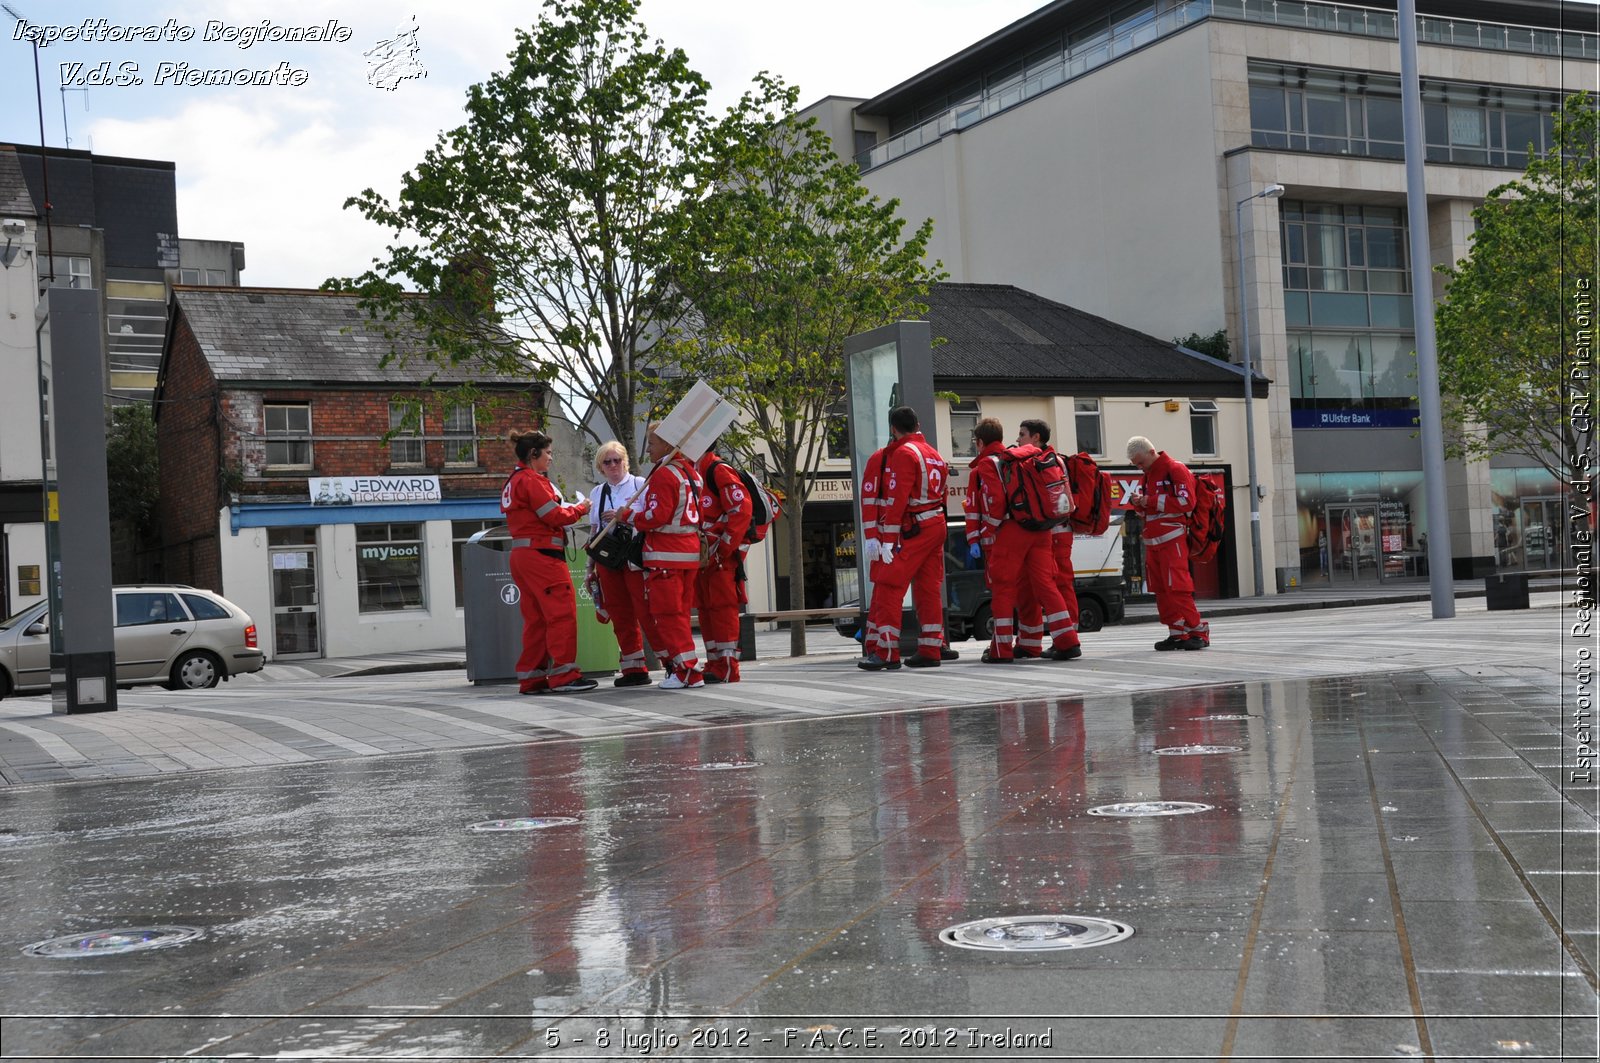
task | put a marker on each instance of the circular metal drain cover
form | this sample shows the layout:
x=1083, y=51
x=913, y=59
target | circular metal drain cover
x=1035, y=933
x=727, y=765
x=1196, y=751
x=494, y=826
x=113, y=942
x=1150, y=808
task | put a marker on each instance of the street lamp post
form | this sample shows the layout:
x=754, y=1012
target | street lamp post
x=1272, y=191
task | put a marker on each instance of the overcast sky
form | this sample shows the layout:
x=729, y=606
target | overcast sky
x=272, y=165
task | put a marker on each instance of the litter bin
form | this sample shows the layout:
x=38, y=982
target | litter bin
x=1506, y=590
x=490, y=599
x=597, y=646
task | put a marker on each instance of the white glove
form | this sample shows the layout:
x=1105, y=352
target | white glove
x=871, y=550
x=886, y=552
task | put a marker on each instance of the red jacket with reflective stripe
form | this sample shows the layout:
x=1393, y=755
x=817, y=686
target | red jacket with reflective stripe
x=876, y=476
x=914, y=487
x=984, y=503
x=668, y=512
x=1168, y=488
x=726, y=508
x=534, y=510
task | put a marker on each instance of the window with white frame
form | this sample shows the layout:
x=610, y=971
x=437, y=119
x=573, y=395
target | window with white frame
x=460, y=435
x=460, y=532
x=389, y=567
x=405, y=441
x=1203, y=426
x=288, y=433
x=963, y=420
x=69, y=272
x=1086, y=420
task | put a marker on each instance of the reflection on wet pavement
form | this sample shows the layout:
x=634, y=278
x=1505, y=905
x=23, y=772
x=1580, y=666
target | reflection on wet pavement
x=1391, y=866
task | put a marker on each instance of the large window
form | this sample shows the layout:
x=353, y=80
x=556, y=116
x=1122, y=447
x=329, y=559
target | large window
x=1344, y=266
x=1352, y=370
x=405, y=442
x=389, y=567
x=460, y=532
x=963, y=419
x=1086, y=419
x=460, y=436
x=1344, y=112
x=288, y=434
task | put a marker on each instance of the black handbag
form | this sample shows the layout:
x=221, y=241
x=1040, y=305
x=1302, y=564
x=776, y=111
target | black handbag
x=618, y=546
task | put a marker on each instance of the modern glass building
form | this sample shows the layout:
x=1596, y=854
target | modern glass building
x=1100, y=153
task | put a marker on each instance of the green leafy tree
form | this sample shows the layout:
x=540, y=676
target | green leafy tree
x=1506, y=327
x=785, y=257
x=133, y=470
x=533, y=232
x=1215, y=345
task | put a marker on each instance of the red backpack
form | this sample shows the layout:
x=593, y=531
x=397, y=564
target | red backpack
x=1035, y=486
x=765, y=509
x=1207, y=522
x=1091, y=495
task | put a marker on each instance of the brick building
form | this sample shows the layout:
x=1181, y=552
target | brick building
x=279, y=490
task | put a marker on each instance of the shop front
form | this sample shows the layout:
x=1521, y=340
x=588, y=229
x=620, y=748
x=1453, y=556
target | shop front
x=1535, y=518
x=1361, y=527
x=348, y=571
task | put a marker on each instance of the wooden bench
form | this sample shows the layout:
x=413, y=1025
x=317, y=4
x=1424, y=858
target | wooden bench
x=748, y=621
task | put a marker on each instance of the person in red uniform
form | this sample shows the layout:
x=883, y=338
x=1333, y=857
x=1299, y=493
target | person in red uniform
x=726, y=510
x=983, y=496
x=538, y=520
x=668, y=512
x=910, y=543
x=1165, y=499
x=876, y=475
x=1030, y=616
x=1019, y=557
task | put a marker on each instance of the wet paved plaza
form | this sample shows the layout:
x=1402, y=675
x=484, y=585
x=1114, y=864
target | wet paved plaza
x=1393, y=866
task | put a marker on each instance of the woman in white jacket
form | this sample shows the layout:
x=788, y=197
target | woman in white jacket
x=621, y=597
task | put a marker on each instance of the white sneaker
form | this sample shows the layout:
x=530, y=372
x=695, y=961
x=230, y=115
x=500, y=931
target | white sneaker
x=675, y=682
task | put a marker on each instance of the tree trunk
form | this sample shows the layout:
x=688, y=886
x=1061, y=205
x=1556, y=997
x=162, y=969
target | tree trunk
x=797, y=574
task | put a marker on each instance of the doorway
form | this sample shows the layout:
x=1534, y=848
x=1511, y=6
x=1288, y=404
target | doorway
x=1353, y=545
x=296, y=622
x=1540, y=525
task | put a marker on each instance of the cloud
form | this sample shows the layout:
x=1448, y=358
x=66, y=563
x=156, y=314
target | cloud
x=272, y=166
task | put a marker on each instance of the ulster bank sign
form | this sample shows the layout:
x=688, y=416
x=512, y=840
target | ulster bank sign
x=373, y=490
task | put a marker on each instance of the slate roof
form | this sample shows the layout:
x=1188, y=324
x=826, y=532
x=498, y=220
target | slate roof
x=15, y=200
x=1013, y=341
x=296, y=337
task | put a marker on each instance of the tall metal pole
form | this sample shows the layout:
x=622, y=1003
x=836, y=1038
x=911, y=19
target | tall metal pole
x=1270, y=192
x=1440, y=578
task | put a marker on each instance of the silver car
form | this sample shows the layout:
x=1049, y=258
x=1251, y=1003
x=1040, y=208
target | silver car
x=183, y=637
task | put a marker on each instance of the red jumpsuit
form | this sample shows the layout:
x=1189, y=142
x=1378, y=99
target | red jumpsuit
x=871, y=505
x=1168, y=488
x=1030, y=619
x=984, y=503
x=725, y=513
x=1020, y=559
x=537, y=520
x=669, y=514
x=911, y=527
